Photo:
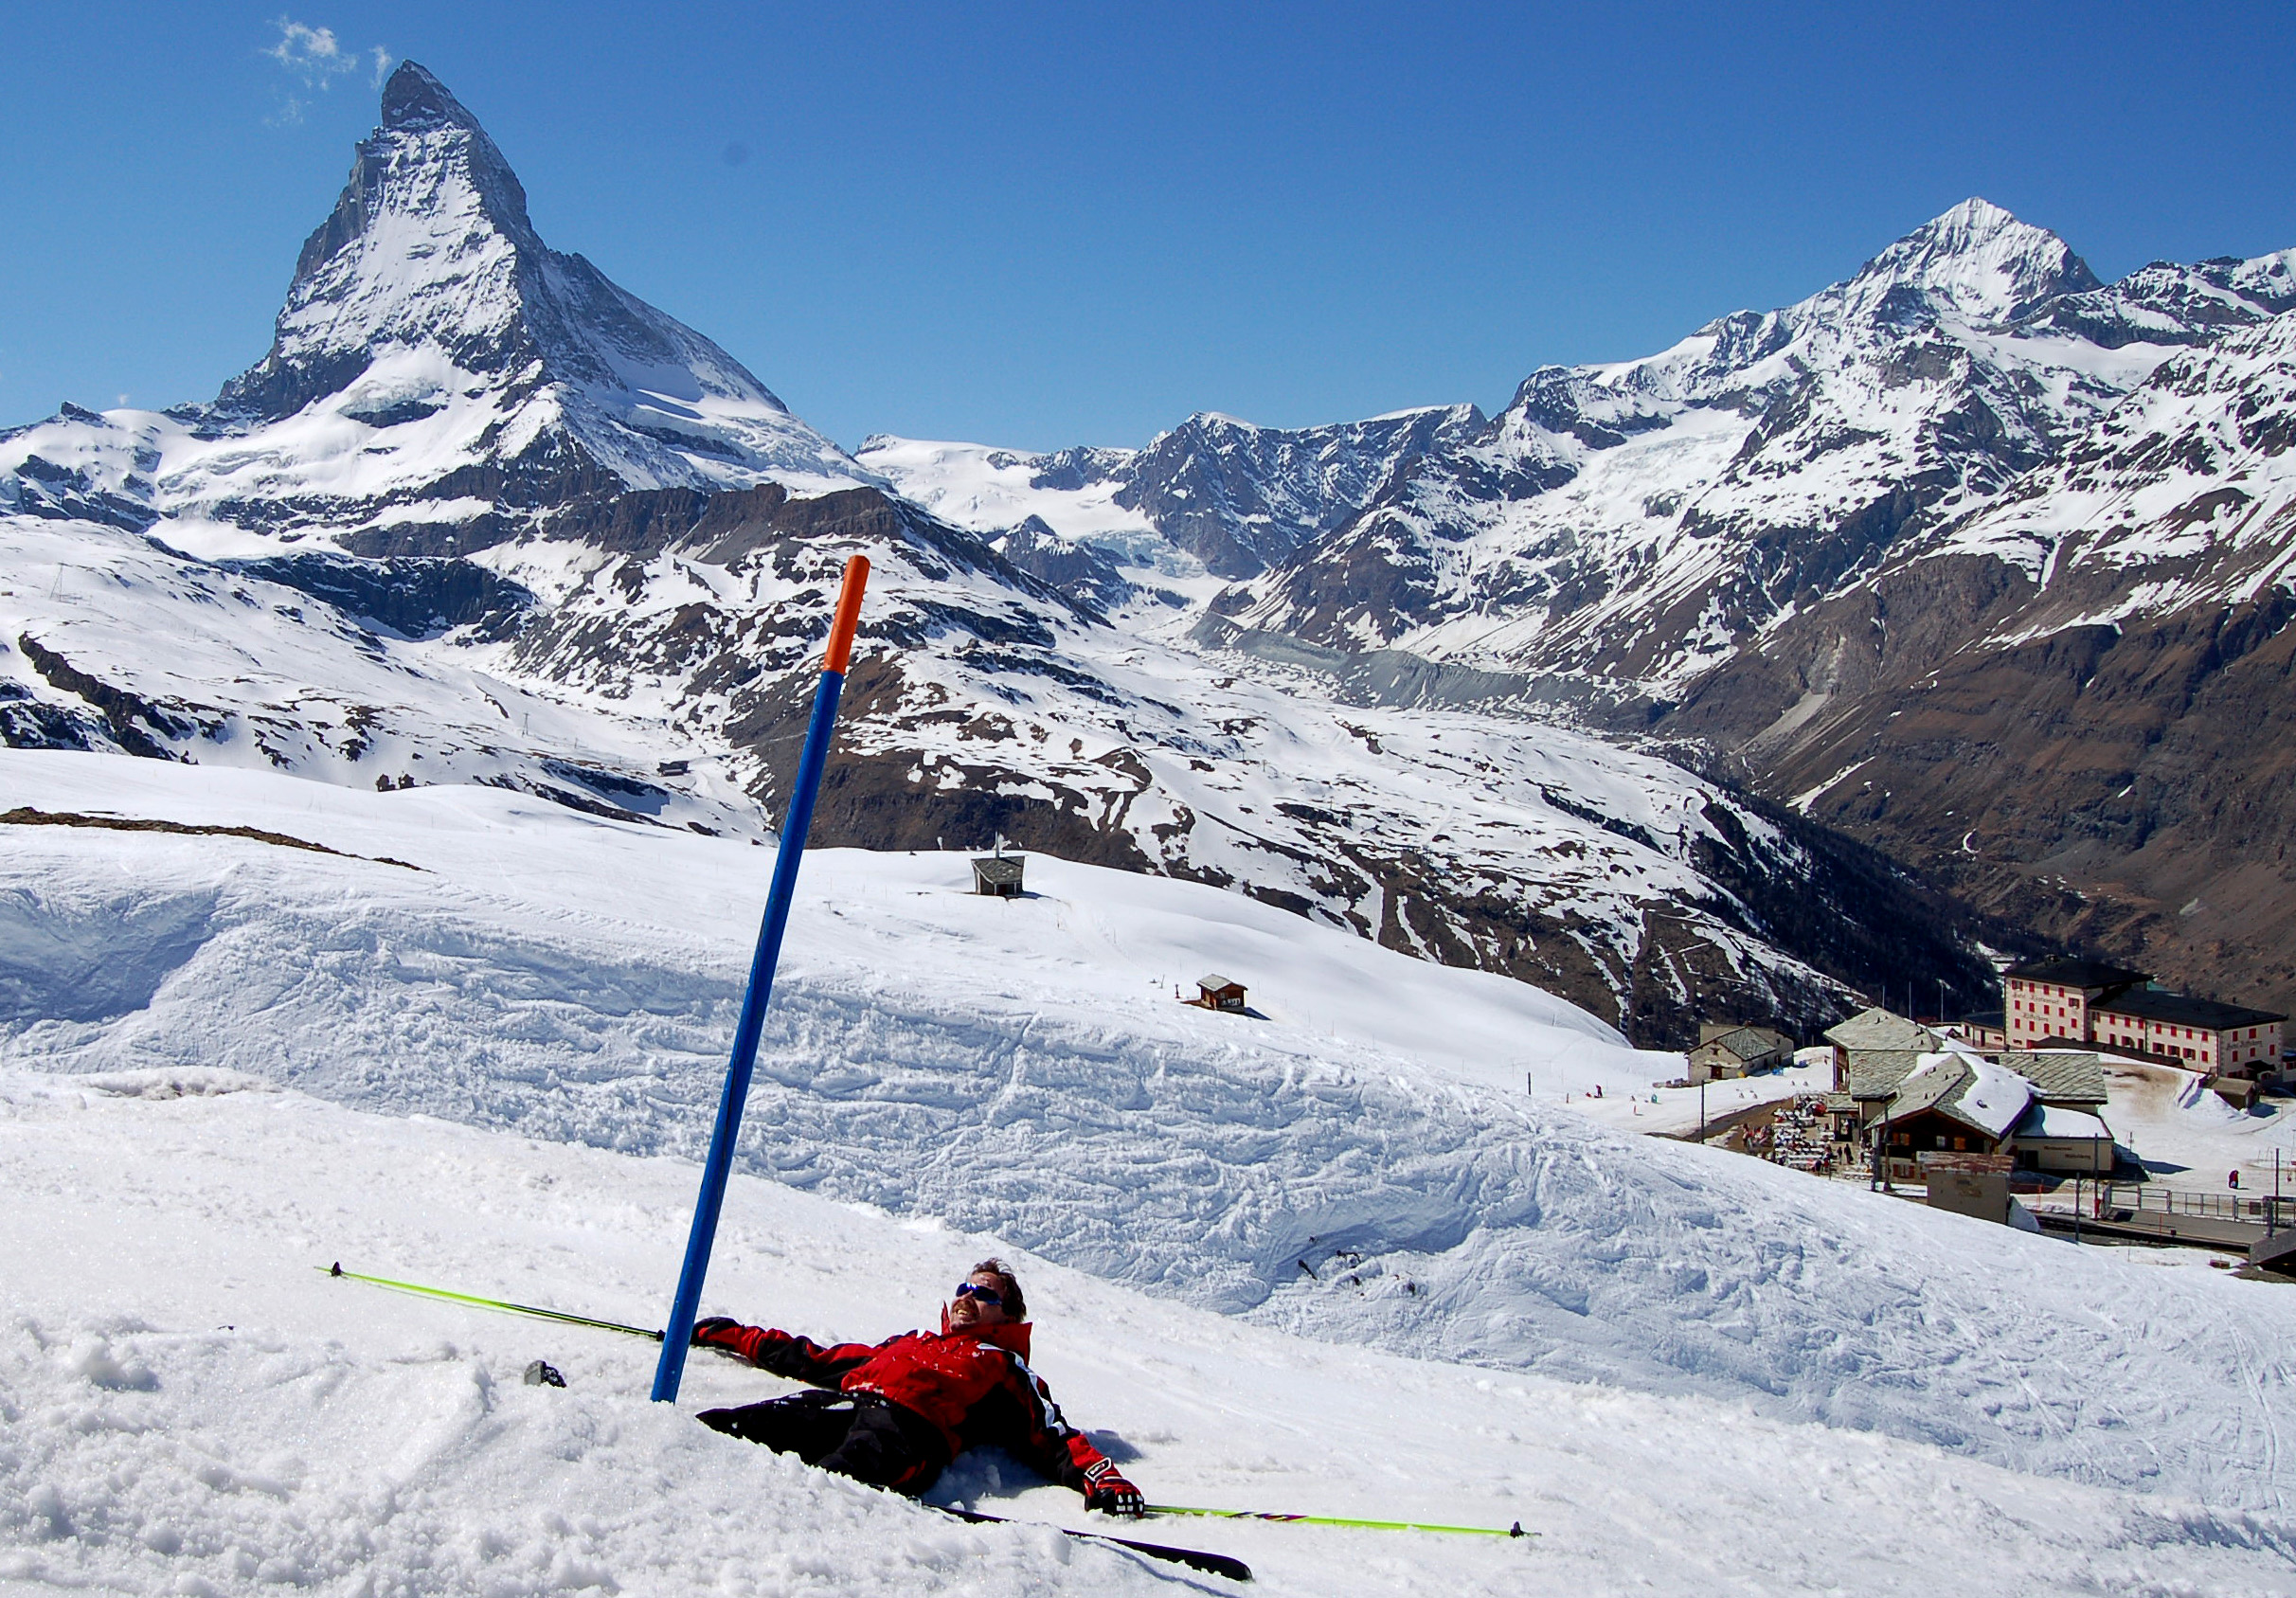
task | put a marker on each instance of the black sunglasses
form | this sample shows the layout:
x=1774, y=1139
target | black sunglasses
x=989, y=1296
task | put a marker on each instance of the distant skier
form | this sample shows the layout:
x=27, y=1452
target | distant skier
x=898, y=1411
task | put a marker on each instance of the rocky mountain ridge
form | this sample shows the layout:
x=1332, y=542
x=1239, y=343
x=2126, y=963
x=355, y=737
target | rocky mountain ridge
x=2075, y=701
x=1641, y=522
x=1774, y=545
x=481, y=516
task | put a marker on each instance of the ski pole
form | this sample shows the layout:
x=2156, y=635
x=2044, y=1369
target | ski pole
x=1195, y=1558
x=795, y=822
x=1513, y=1530
x=421, y=1291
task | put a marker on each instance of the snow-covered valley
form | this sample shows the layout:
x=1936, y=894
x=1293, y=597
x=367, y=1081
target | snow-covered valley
x=478, y=1046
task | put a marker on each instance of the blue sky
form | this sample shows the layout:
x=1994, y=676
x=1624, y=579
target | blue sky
x=1041, y=225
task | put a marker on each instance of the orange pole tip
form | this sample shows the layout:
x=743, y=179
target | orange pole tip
x=849, y=616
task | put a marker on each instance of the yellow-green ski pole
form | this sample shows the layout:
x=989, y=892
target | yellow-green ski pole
x=440, y=1293
x=1513, y=1530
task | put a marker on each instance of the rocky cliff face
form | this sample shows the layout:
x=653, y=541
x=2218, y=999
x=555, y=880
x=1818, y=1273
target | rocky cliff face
x=1641, y=522
x=2074, y=702
x=1241, y=498
x=1223, y=497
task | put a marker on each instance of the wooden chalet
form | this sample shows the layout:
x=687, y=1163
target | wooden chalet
x=2034, y=1110
x=1875, y=1031
x=1215, y=991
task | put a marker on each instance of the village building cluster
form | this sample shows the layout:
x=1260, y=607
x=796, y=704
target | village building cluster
x=1922, y=1100
x=2022, y=1091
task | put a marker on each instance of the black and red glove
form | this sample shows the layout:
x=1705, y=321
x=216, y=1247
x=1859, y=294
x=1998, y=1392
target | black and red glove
x=1106, y=1489
x=723, y=1331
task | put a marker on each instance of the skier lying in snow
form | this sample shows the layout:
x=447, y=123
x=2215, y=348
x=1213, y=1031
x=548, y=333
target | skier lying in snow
x=900, y=1411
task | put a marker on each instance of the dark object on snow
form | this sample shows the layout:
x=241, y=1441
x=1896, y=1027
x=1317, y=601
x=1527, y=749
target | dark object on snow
x=998, y=875
x=1106, y=1489
x=2274, y=1251
x=864, y=1435
x=543, y=1373
x=1217, y=1564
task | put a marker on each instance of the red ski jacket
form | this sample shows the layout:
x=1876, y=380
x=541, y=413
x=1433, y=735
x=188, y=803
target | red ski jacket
x=975, y=1387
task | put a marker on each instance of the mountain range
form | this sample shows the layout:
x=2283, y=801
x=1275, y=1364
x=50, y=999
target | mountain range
x=1972, y=556
x=1541, y=693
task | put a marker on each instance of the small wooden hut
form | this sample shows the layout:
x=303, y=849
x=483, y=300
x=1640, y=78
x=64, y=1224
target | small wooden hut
x=1216, y=992
x=998, y=875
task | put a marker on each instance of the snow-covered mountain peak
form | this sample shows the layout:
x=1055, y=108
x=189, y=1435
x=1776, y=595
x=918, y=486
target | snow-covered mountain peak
x=433, y=348
x=414, y=102
x=1979, y=260
x=428, y=245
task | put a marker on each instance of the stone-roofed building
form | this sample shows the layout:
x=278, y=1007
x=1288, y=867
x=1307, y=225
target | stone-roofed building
x=2059, y=1076
x=1727, y=1050
x=1953, y=1103
x=1874, y=1074
x=1877, y=1028
x=998, y=875
x=1959, y=1105
x=1874, y=1031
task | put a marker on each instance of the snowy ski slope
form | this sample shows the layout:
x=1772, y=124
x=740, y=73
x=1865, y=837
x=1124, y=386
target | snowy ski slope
x=1651, y=1324
x=191, y=1409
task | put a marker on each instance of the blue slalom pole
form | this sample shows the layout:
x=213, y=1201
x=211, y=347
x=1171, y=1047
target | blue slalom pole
x=794, y=827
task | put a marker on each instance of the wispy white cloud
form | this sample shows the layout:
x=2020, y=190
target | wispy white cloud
x=313, y=54
x=314, y=57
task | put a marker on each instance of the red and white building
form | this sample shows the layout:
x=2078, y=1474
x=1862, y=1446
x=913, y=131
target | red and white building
x=2085, y=1001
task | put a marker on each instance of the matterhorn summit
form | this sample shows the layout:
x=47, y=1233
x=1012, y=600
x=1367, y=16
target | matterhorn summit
x=434, y=363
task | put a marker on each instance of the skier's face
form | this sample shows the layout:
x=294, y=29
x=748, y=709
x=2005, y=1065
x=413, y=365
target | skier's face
x=969, y=1310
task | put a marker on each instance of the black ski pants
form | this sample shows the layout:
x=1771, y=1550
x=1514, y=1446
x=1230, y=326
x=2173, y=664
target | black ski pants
x=856, y=1434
